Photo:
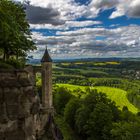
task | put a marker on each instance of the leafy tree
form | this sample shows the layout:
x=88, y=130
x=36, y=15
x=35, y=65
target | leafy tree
x=94, y=118
x=61, y=98
x=15, y=36
x=126, y=131
x=70, y=111
x=100, y=122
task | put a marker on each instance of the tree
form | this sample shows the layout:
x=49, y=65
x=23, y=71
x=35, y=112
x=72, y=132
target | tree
x=61, y=98
x=95, y=116
x=100, y=122
x=70, y=111
x=126, y=131
x=15, y=36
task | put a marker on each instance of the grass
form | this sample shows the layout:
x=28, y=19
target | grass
x=115, y=94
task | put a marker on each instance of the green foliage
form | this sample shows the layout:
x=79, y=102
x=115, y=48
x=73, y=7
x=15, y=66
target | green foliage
x=67, y=131
x=70, y=111
x=61, y=98
x=16, y=63
x=100, y=122
x=126, y=131
x=15, y=38
x=39, y=85
x=91, y=114
x=94, y=118
x=115, y=94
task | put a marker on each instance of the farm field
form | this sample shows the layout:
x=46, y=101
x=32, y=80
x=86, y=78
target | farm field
x=117, y=95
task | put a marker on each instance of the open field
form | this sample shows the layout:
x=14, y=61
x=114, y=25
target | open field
x=117, y=95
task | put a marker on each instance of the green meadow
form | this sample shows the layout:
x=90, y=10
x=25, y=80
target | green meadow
x=117, y=95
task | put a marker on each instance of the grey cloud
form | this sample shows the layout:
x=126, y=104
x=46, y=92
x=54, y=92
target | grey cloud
x=40, y=15
x=101, y=46
x=135, y=11
x=105, y=4
x=130, y=8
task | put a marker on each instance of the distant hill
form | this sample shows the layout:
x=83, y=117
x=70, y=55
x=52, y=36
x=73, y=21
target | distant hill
x=37, y=61
x=33, y=61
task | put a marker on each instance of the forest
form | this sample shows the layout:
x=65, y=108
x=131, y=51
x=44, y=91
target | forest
x=97, y=100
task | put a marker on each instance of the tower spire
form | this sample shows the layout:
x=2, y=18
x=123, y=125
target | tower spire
x=46, y=80
x=46, y=57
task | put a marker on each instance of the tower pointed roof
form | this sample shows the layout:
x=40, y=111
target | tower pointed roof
x=46, y=57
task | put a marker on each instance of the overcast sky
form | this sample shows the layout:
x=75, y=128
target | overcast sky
x=85, y=28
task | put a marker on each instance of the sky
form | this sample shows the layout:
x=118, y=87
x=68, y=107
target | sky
x=85, y=28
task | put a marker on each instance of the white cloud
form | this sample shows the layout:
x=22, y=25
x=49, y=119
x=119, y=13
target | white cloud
x=67, y=25
x=70, y=10
x=83, y=31
x=130, y=8
x=83, y=42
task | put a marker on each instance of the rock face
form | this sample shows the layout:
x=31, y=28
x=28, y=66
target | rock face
x=21, y=115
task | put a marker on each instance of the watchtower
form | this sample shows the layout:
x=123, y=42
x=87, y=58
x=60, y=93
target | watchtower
x=46, y=80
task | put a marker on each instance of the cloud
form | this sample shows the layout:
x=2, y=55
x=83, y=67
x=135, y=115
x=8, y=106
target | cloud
x=130, y=8
x=84, y=43
x=70, y=10
x=67, y=25
x=72, y=38
x=40, y=15
x=103, y=4
x=134, y=10
x=82, y=31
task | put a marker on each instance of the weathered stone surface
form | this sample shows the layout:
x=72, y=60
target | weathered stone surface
x=15, y=135
x=1, y=95
x=17, y=99
x=21, y=117
x=11, y=95
x=3, y=113
x=9, y=82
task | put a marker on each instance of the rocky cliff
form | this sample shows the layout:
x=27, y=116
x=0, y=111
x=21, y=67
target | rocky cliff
x=21, y=115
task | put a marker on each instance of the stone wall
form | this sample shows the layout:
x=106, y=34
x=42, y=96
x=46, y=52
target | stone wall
x=21, y=115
